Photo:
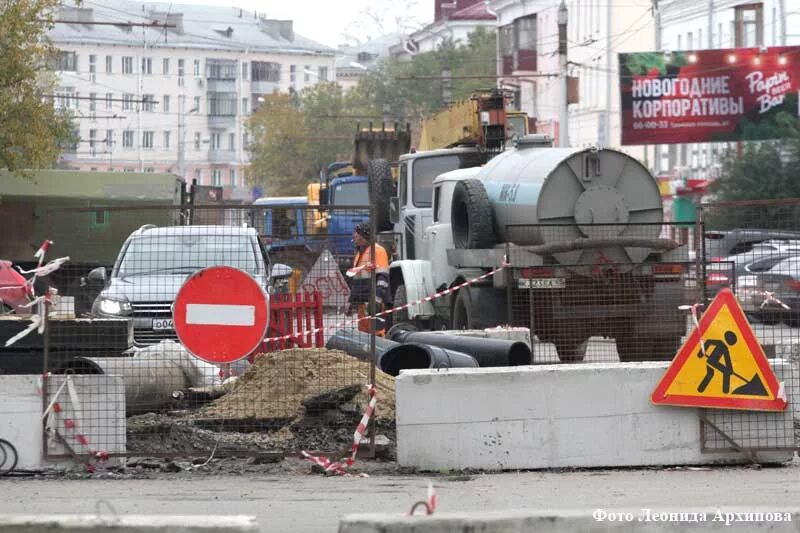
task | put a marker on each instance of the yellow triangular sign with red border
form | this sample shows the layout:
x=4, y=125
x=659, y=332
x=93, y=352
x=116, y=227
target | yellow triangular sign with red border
x=721, y=365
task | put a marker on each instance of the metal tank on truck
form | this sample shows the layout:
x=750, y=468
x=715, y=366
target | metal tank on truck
x=580, y=228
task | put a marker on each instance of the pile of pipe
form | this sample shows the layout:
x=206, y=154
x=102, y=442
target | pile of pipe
x=425, y=349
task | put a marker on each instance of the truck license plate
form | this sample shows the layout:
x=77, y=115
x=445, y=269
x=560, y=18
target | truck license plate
x=542, y=283
x=161, y=324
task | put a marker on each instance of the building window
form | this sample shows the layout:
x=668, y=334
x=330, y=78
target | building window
x=93, y=142
x=127, y=65
x=109, y=64
x=245, y=70
x=127, y=139
x=216, y=177
x=245, y=106
x=67, y=61
x=149, y=170
x=109, y=101
x=197, y=140
x=198, y=175
x=66, y=98
x=93, y=67
x=690, y=40
x=245, y=141
x=110, y=138
x=165, y=103
x=148, y=139
x=92, y=102
x=148, y=102
x=322, y=73
x=221, y=104
x=147, y=65
x=307, y=73
x=216, y=140
x=220, y=69
x=167, y=140
x=181, y=72
x=197, y=103
x=233, y=177
x=196, y=68
x=749, y=25
x=525, y=38
x=266, y=71
x=231, y=142
x=127, y=101
x=93, y=169
x=292, y=74
x=165, y=66
x=129, y=169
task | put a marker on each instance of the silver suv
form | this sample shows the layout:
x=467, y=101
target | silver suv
x=155, y=261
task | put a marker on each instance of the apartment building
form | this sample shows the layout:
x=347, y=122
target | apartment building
x=684, y=25
x=173, y=91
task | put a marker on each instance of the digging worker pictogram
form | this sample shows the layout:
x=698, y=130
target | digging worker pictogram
x=718, y=359
x=361, y=273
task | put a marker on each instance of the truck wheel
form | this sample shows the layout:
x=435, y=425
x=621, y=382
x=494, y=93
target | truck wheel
x=571, y=350
x=471, y=216
x=379, y=174
x=462, y=310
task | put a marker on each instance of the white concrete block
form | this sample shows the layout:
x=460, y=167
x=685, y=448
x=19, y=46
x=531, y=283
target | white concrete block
x=128, y=523
x=592, y=415
x=100, y=418
x=508, y=333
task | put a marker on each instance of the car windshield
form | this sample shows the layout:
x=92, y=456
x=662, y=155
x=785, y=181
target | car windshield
x=186, y=254
x=425, y=171
x=355, y=193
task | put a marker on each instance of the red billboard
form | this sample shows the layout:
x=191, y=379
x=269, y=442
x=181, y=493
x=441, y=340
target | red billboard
x=709, y=95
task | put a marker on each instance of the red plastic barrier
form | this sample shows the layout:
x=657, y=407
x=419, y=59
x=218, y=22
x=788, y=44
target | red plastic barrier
x=295, y=315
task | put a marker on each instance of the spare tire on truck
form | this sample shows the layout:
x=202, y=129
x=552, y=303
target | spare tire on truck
x=471, y=216
x=379, y=174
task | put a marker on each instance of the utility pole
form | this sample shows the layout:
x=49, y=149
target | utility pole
x=181, y=133
x=563, y=118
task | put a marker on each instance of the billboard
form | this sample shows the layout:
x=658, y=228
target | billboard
x=709, y=95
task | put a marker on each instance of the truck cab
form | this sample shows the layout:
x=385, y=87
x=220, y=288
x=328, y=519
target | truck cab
x=343, y=192
x=283, y=222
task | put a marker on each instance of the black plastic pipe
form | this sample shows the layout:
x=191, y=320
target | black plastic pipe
x=356, y=343
x=488, y=352
x=415, y=355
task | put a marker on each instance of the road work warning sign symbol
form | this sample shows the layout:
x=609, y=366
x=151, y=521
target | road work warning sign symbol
x=721, y=365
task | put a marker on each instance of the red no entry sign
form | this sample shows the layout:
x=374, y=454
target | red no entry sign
x=220, y=314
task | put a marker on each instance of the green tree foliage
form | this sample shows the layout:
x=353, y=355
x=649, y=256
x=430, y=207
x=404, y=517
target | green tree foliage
x=764, y=170
x=32, y=132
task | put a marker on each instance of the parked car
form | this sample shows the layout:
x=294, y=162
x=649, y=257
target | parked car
x=719, y=244
x=774, y=293
x=155, y=261
x=761, y=257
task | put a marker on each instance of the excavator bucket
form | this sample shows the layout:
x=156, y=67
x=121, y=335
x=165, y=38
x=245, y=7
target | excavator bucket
x=384, y=143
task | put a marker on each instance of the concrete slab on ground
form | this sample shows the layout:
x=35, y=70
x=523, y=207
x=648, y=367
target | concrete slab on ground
x=127, y=523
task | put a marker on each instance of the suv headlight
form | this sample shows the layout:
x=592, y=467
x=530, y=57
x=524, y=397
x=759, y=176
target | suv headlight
x=113, y=307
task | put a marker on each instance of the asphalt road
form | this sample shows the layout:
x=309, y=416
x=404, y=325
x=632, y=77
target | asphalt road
x=312, y=503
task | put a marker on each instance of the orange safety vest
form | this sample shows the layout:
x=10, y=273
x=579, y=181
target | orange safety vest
x=363, y=265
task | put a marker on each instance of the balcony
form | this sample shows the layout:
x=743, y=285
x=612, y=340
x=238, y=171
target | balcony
x=221, y=85
x=223, y=122
x=264, y=87
x=221, y=156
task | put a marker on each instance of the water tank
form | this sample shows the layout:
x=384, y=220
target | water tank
x=547, y=195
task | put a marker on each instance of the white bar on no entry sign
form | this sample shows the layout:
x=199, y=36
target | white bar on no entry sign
x=220, y=315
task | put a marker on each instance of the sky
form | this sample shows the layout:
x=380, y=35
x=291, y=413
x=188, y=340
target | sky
x=330, y=21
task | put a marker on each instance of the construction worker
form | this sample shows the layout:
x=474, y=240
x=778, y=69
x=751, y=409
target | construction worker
x=361, y=274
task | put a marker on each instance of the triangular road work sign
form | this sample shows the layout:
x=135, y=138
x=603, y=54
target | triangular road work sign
x=721, y=365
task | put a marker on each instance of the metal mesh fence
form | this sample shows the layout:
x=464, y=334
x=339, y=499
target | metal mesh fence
x=753, y=248
x=609, y=293
x=114, y=317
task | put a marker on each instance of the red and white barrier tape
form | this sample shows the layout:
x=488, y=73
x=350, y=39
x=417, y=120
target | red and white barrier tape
x=340, y=467
x=693, y=308
x=770, y=298
x=70, y=424
x=429, y=504
x=392, y=310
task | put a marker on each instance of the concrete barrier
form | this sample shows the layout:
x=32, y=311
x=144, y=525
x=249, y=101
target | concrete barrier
x=101, y=417
x=554, y=416
x=634, y=520
x=128, y=523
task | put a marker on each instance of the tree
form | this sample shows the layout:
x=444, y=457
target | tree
x=278, y=147
x=765, y=170
x=32, y=132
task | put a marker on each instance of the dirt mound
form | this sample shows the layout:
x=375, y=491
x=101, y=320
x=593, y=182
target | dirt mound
x=279, y=384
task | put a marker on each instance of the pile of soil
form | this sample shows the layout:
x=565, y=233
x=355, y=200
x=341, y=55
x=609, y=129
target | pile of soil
x=301, y=383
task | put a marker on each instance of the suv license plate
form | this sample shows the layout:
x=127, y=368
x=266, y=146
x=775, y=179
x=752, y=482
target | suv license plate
x=162, y=324
x=542, y=283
